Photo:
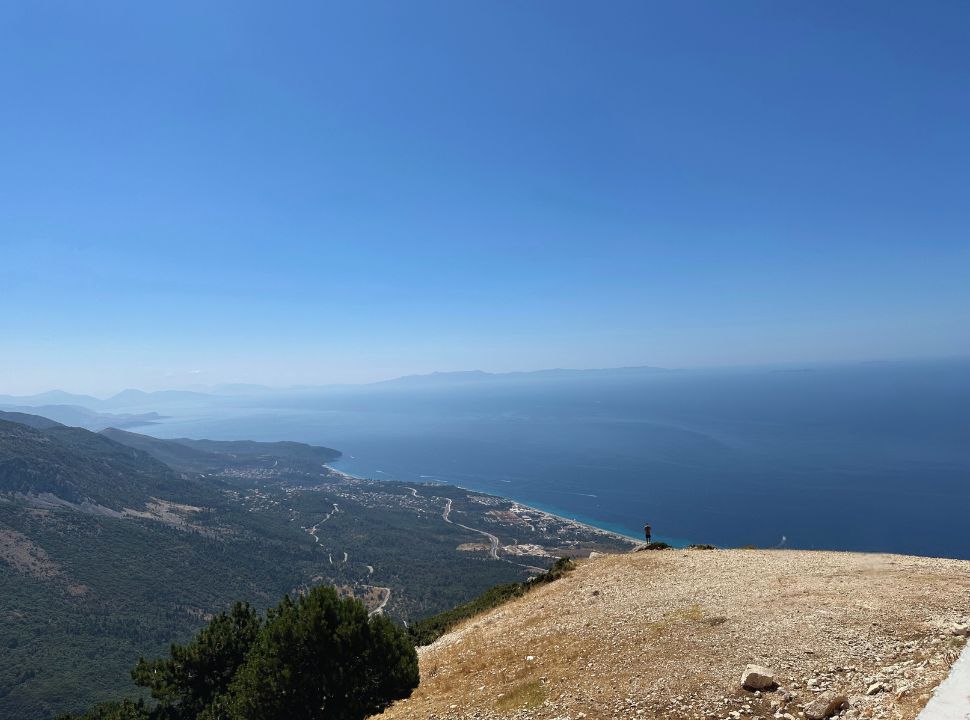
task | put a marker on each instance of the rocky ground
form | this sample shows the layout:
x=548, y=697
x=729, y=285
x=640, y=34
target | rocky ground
x=669, y=634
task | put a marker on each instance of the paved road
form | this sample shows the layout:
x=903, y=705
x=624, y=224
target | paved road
x=313, y=530
x=493, y=551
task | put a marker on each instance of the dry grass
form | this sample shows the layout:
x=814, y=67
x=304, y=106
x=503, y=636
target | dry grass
x=668, y=633
x=525, y=696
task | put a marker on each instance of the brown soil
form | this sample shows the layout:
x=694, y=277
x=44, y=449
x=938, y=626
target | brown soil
x=667, y=635
x=24, y=556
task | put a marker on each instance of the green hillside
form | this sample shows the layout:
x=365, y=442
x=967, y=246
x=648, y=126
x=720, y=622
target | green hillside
x=79, y=466
x=212, y=455
x=107, y=554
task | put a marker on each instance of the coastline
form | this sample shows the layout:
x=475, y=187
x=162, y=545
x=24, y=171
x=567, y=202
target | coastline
x=518, y=506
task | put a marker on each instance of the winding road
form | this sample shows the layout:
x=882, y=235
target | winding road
x=493, y=551
x=313, y=530
x=380, y=608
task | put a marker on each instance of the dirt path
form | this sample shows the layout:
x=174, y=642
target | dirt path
x=379, y=610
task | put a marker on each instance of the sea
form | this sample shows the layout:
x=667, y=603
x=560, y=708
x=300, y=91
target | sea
x=863, y=456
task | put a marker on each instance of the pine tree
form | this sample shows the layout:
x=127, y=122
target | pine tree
x=196, y=674
x=323, y=657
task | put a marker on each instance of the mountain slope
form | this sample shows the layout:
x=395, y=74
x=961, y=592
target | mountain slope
x=35, y=421
x=668, y=634
x=175, y=455
x=81, y=467
x=77, y=416
x=211, y=455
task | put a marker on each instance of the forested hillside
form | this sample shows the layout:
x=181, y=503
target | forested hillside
x=81, y=467
x=108, y=554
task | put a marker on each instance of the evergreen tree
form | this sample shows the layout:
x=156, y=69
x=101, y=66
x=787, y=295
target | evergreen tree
x=196, y=674
x=323, y=657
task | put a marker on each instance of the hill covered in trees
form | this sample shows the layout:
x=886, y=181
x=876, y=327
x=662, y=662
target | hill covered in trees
x=108, y=554
x=81, y=467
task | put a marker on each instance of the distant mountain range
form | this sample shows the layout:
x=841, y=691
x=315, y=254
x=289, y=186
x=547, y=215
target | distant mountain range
x=140, y=399
x=78, y=416
x=475, y=376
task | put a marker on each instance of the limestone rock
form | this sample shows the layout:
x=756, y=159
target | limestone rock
x=756, y=677
x=825, y=706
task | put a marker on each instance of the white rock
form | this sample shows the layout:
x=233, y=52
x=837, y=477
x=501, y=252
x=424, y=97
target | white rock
x=756, y=677
x=825, y=707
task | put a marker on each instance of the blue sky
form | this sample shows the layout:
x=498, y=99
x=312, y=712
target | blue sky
x=315, y=192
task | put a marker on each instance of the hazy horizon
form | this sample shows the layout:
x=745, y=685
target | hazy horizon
x=108, y=391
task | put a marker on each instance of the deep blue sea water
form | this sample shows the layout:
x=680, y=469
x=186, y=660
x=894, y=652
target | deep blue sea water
x=872, y=456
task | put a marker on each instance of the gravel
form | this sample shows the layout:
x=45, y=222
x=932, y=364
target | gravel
x=668, y=634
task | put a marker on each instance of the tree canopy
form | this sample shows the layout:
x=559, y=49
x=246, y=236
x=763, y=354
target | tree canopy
x=319, y=656
x=322, y=657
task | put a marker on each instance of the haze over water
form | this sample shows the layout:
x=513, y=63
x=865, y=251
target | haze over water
x=872, y=456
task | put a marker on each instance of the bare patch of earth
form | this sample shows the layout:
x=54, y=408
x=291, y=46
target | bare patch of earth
x=668, y=634
x=25, y=556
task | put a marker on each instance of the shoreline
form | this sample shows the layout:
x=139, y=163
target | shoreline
x=568, y=520
x=520, y=505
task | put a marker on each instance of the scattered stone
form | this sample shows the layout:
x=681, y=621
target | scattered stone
x=756, y=677
x=595, y=554
x=825, y=707
x=876, y=688
x=960, y=630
